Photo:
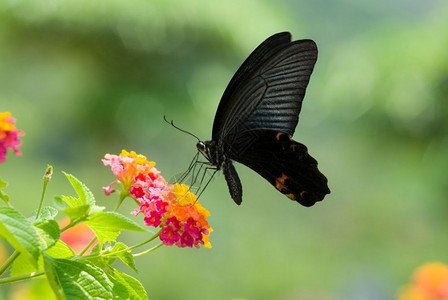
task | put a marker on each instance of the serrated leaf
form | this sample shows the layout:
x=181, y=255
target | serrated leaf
x=19, y=233
x=108, y=225
x=3, y=184
x=47, y=212
x=3, y=195
x=84, y=194
x=77, y=280
x=120, y=291
x=126, y=256
x=21, y=266
x=110, y=255
x=73, y=202
x=59, y=203
x=48, y=232
x=60, y=250
x=135, y=289
x=96, y=209
x=77, y=212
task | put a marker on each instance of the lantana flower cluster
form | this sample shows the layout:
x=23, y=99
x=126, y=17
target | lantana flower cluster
x=9, y=135
x=429, y=282
x=172, y=207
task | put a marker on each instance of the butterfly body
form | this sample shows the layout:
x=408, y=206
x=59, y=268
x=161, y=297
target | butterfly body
x=257, y=116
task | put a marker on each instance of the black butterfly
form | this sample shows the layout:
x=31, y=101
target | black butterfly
x=257, y=116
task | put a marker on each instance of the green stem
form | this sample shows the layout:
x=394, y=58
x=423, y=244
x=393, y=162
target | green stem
x=123, y=250
x=149, y=250
x=123, y=195
x=21, y=277
x=41, y=199
x=87, y=247
x=73, y=223
x=47, y=177
x=9, y=261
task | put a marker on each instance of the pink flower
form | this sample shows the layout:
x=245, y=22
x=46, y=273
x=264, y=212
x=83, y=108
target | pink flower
x=9, y=135
x=130, y=167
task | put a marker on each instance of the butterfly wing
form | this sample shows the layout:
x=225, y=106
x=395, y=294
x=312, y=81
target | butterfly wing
x=262, y=103
x=287, y=165
x=266, y=92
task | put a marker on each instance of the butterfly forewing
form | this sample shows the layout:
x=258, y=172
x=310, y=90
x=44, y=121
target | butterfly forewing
x=239, y=81
x=285, y=79
x=271, y=97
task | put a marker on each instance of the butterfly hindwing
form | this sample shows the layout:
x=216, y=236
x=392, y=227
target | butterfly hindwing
x=286, y=164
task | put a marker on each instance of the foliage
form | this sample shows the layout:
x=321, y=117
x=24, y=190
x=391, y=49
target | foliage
x=39, y=251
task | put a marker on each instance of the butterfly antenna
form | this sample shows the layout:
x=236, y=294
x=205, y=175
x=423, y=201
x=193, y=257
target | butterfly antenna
x=180, y=129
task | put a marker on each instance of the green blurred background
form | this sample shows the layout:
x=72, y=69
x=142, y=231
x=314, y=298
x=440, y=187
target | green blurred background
x=85, y=78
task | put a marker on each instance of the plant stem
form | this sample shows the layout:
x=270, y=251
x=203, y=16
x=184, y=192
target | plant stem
x=47, y=177
x=73, y=223
x=9, y=261
x=21, y=277
x=123, y=195
x=87, y=247
x=149, y=250
x=123, y=250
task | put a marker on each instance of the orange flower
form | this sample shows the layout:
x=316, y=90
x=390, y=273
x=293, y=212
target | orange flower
x=430, y=282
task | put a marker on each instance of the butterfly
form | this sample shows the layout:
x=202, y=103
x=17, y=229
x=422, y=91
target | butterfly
x=257, y=116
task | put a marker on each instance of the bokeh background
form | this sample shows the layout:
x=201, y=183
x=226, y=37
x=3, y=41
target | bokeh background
x=85, y=78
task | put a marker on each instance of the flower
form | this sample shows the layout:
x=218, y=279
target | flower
x=9, y=135
x=430, y=282
x=130, y=167
x=172, y=207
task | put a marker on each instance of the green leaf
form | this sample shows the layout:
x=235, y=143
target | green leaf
x=108, y=225
x=48, y=232
x=84, y=194
x=3, y=196
x=120, y=291
x=59, y=203
x=20, y=233
x=77, y=280
x=125, y=256
x=134, y=288
x=21, y=266
x=60, y=250
x=73, y=202
x=47, y=212
x=3, y=184
x=77, y=211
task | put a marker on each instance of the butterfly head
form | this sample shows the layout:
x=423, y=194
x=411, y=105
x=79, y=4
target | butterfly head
x=201, y=147
x=208, y=149
x=204, y=148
